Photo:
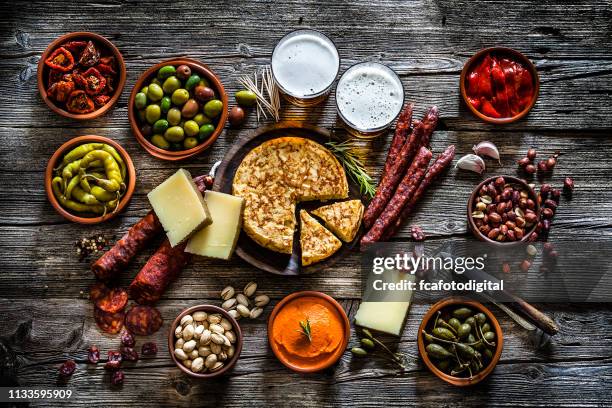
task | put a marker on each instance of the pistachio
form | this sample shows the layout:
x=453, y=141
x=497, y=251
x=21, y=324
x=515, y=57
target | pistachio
x=188, y=332
x=231, y=350
x=200, y=316
x=531, y=250
x=179, y=343
x=178, y=332
x=243, y=310
x=249, y=289
x=189, y=346
x=193, y=354
x=180, y=354
x=256, y=312
x=217, y=338
x=205, y=324
x=229, y=304
x=261, y=300
x=198, y=331
x=222, y=356
x=226, y=342
x=197, y=364
x=214, y=318
x=211, y=359
x=243, y=300
x=226, y=324
x=227, y=293
x=204, y=351
x=205, y=337
x=234, y=313
x=215, y=348
x=216, y=328
x=217, y=366
x=231, y=336
x=187, y=319
x=187, y=363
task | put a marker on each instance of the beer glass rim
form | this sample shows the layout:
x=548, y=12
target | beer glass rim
x=394, y=117
x=295, y=32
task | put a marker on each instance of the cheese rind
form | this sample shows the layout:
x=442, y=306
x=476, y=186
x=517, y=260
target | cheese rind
x=180, y=207
x=218, y=240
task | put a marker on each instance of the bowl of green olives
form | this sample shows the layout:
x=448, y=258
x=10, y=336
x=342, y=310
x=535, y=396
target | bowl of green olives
x=177, y=109
x=460, y=341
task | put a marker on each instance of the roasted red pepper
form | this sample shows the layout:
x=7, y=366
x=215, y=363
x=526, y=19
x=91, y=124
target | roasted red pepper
x=61, y=59
x=90, y=55
x=94, y=81
x=74, y=46
x=61, y=90
x=79, y=102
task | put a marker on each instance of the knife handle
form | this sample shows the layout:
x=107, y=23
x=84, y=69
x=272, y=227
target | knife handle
x=543, y=321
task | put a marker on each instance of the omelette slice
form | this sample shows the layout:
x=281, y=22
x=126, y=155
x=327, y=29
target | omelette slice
x=342, y=218
x=316, y=241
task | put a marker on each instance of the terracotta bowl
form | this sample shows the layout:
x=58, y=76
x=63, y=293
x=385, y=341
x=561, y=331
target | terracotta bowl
x=208, y=309
x=516, y=56
x=451, y=303
x=337, y=354
x=59, y=155
x=215, y=83
x=470, y=208
x=43, y=72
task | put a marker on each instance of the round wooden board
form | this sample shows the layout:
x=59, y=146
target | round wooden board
x=248, y=249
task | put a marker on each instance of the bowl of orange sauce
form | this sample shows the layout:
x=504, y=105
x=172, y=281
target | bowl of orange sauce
x=308, y=331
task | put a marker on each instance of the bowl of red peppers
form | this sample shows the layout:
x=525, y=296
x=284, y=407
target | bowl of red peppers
x=499, y=85
x=81, y=75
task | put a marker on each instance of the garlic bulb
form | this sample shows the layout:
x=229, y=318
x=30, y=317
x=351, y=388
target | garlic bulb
x=487, y=149
x=471, y=162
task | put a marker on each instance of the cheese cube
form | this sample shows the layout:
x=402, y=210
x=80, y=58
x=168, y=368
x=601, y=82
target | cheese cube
x=179, y=205
x=218, y=240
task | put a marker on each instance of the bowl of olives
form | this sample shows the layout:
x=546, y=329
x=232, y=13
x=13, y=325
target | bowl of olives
x=460, y=341
x=177, y=109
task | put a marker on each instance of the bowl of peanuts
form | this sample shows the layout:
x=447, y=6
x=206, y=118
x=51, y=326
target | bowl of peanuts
x=503, y=210
x=205, y=341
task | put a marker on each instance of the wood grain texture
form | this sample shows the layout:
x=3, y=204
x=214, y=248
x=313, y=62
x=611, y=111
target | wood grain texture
x=46, y=317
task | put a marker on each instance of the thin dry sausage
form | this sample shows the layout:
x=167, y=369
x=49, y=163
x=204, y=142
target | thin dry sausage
x=399, y=138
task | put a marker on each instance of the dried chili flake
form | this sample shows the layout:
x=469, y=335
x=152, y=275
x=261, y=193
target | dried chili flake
x=149, y=349
x=127, y=339
x=117, y=377
x=114, y=360
x=94, y=81
x=93, y=354
x=79, y=102
x=67, y=368
x=60, y=91
x=129, y=354
x=61, y=59
x=90, y=55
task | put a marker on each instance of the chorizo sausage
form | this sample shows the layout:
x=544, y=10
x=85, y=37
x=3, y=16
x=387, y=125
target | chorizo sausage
x=403, y=194
x=441, y=163
x=159, y=271
x=138, y=236
x=399, y=138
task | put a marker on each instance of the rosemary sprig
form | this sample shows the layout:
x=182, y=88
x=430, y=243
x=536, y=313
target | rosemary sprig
x=353, y=165
x=305, y=329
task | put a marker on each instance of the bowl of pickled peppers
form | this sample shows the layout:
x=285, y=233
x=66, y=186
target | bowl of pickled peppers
x=90, y=179
x=177, y=109
x=81, y=75
x=460, y=341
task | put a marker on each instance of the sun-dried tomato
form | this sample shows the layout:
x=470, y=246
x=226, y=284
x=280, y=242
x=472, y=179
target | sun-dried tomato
x=54, y=76
x=90, y=55
x=67, y=368
x=93, y=354
x=117, y=377
x=60, y=59
x=105, y=69
x=95, y=82
x=129, y=354
x=79, y=102
x=74, y=46
x=101, y=100
x=127, y=339
x=114, y=360
x=149, y=349
x=110, y=87
x=60, y=90
x=79, y=80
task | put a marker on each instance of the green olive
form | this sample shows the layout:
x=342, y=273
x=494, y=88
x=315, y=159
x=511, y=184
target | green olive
x=174, y=116
x=205, y=131
x=140, y=100
x=142, y=115
x=367, y=343
x=146, y=129
x=145, y=89
x=193, y=80
x=489, y=336
x=481, y=318
x=246, y=98
x=165, y=72
x=160, y=126
x=159, y=141
x=180, y=96
x=470, y=320
x=213, y=108
x=201, y=119
x=191, y=128
x=165, y=104
x=155, y=92
x=204, y=82
x=174, y=134
x=190, y=109
x=454, y=322
x=462, y=313
x=190, y=142
x=485, y=327
x=152, y=113
x=464, y=330
x=156, y=82
x=171, y=84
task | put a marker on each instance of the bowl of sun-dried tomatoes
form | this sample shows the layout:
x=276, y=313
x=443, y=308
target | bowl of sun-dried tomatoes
x=81, y=75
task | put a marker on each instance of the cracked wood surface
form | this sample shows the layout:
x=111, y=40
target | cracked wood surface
x=47, y=319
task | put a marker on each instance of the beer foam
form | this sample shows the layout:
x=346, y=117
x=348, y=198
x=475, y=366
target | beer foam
x=369, y=96
x=305, y=63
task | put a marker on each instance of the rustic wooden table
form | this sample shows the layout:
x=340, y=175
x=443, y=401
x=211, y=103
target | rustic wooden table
x=46, y=317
